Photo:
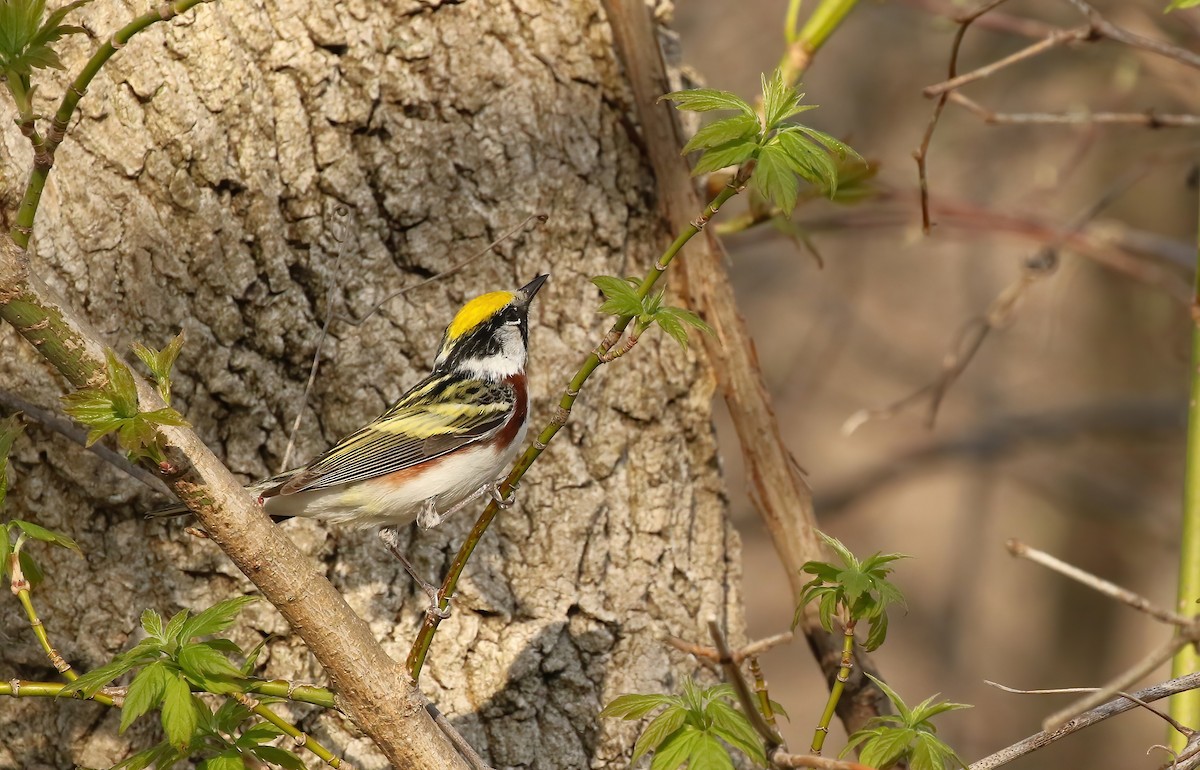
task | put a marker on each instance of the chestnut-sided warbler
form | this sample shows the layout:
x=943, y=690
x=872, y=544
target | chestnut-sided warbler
x=441, y=445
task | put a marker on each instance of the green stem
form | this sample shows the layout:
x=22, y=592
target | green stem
x=39, y=630
x=299, y=737
x=15, y=688
x=1185, y=707
x=420, y=647
x=805, y=44
x=835, y=692
x=280, y=688
x=22, y=227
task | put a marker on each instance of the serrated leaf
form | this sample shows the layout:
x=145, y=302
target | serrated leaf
x=662, y=726
x=252, y=657
x=732, y=726
x=179, y=716
x=160, y=755
x=175, y=625
x=886, y=747
x=216, y=618
x=209, y=669
x=774, y=179
x=673, y=329
x=841, y=550
x=260, y=733
x=897, y=702
x=927, y=711
x=708, y=754
x=780, y=100
x=278, y=756
x=620, y=298
x=91, y=682
x=732, y=153
x=44, y=535
x=230, y=759
x=676, y=749
x=707, y=100
x=808, y=160
x=145, y=693
x=152, y=623
x=165, y=416
x=230, y=715
x=634, y=706
x=121, y=387
x=877, y=633
x=720, y=132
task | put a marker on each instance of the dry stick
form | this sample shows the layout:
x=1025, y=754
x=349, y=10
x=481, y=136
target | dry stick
x=778, y=490
x=466, y=749
x=1149, y=118
x=1098, y=584
x=1053, y=40
x=1041, y=264
x=996, y=22
x=922, y=152
x=1103, y=28
x=63, y=427
x=1112, y=708
x=711, y=655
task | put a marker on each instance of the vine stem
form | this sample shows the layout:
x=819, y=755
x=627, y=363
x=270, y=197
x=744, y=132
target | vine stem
x=299, y=737
x=803, y=45
x=835, y=692
x=424, y=638
x=16, y=688
x=1185, y=707
x=43, y=161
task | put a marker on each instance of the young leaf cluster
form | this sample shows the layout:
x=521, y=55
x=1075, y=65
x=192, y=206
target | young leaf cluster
x=160, y=363
x=26, y=35
x=855, y=590
x=783, y=153
x=113, y=408
x=621, y=299
x=908, y=735
x=13, y=536
x=690, y=728
x=174, y=660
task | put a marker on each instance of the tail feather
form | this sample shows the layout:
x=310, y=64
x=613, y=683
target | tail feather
x=176, y=509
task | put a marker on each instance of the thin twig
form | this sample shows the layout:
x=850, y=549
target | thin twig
x=712, y=655
x=1056, y=38
x=468, y=752
x=922, y=152
x=733, y=675
x=1148, y=119
x=1098, y=584
x=1106, y=29
x=1110, y=709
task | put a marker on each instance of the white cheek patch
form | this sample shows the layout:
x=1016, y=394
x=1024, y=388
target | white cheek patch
x=509, y=361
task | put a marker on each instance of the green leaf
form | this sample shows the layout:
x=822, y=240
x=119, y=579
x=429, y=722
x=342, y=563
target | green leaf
x=252, y=657
x=675, y=317
x=897, y=702
x=732, y=153
x=152, y=624
x=676, y=749
x=707, y=100
x=216, y=618
x=179, y=716
x=91, y=682
x=809, y=161
x=886, y=747
x=925, y=711
x=44, y=535
x=161, y=755
x=121, y=387
x=277, y=756
x=842, y=551
x=175, y=626
x=662, y=726
x=877, y=633
x=774, y=179
x=854, y=585
x=260, y=733
x=209, y=669
x=621, y=298
x=230, y=759
x=635, y=706
x=33, y=571
x=708, y=754
x=732, y=726
x=1177, y=4
x=160, y=363
x=739, y=127
x=145, y=693
x=780, y=100
x=5, y=549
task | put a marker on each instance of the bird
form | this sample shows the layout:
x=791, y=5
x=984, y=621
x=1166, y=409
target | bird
x=440, y=446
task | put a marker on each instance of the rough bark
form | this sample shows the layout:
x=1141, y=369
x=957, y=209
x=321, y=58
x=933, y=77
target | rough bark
x=198, y=190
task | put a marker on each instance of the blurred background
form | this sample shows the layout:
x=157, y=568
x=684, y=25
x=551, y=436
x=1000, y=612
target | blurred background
x=1066, y=430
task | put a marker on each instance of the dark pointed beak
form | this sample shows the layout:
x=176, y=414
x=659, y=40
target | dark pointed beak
x=528, y=291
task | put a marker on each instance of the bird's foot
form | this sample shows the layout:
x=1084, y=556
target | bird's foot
x=390, y=539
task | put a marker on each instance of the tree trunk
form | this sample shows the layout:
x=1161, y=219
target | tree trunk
x=237, y=172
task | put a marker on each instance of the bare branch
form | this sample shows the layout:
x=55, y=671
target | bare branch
x=1149, y=119
x=1053, y=40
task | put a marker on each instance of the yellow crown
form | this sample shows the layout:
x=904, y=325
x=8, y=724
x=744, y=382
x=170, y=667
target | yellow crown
x=477, y=311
